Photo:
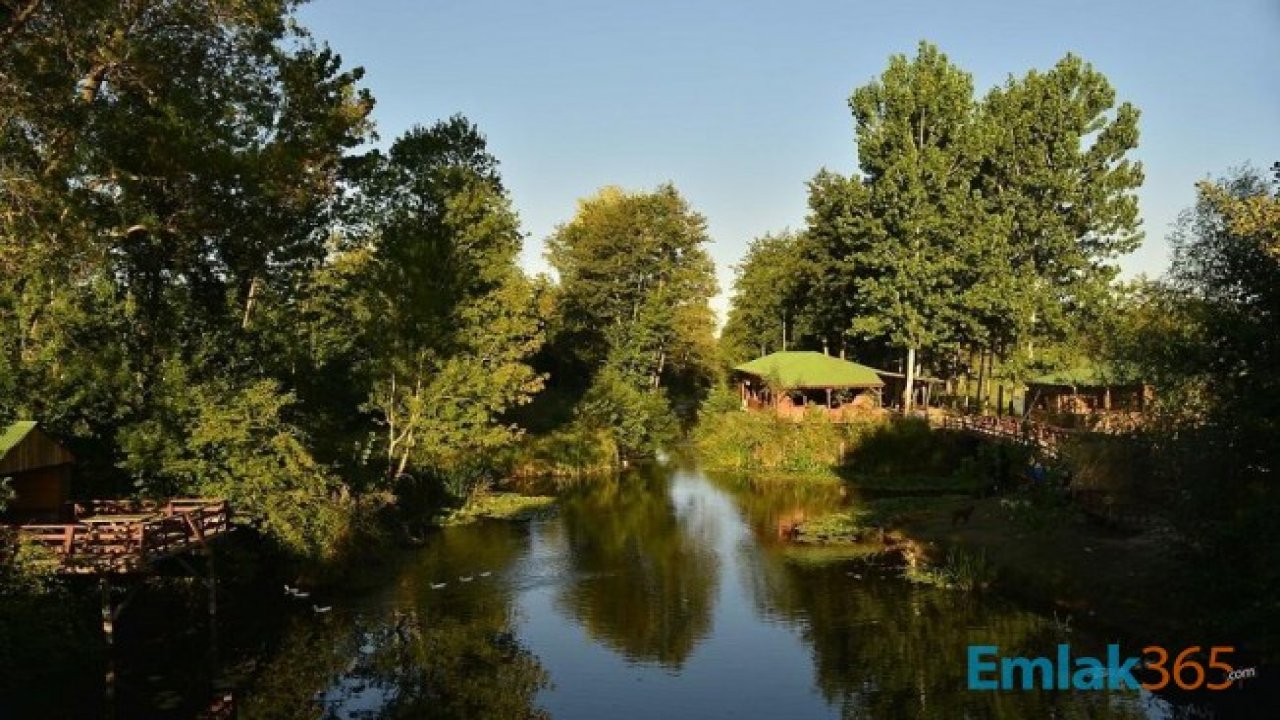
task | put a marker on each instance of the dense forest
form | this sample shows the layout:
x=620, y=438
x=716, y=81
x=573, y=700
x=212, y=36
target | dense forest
x=218, y=282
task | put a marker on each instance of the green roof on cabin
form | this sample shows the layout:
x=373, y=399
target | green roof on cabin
x=14, y=434
x=807, y=369
x=1085, y=376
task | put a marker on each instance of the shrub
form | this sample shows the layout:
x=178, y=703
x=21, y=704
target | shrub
x=758, y=441
x=569, y=451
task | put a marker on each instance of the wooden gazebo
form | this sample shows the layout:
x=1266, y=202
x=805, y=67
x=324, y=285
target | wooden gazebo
x=795, y=382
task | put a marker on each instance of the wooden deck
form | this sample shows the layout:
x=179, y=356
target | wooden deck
x=120, y=537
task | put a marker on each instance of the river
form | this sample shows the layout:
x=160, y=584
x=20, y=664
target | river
x=662, y=593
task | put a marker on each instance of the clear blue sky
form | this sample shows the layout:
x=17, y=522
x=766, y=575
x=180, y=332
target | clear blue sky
x=740, y=102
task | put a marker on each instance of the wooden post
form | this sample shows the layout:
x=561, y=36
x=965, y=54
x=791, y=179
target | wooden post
x=109, y=640
x=211, y=580
x=909, y=393
x=982, y=377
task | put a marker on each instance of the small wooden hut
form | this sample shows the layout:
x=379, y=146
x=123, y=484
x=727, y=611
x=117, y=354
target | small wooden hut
x=793, y=382
x=39, y=472
x=895, y=384
x=1069, y=397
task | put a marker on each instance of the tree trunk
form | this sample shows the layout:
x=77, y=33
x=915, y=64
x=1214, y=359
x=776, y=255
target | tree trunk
x=982, y=378
x=92, y=82
x=908, y=394
x=249, y=302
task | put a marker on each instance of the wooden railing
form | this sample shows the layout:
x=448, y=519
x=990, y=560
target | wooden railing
x=1046, y=438
x=120, y=536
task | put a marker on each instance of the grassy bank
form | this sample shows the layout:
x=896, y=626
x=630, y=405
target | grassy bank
x=501, y=506
x=879, y=454
x=876, y=447
x=1031, y=546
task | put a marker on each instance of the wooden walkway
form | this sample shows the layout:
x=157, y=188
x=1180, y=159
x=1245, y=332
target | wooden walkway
x=123, y=537
x=1047, y=439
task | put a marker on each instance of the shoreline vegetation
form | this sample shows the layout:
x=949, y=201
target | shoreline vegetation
x=513, y=506
x=943, y=523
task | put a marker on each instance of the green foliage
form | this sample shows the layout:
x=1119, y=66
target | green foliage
x=974, y=225
x=205, y=287
x=1056, y=165
x=224, y=441
x=503, y=506
x=447, y=315
x=571, y=450
x=640, y=421
x=160, y=220
x=762, y=441
x=960, y=569
x=918, y=147
x=906, y=447
x=632, y=327
x=902, y=454
x=1210, y=336
x=766, y=301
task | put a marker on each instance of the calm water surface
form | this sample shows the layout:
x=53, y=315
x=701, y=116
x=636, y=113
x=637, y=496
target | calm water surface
x=664, y=593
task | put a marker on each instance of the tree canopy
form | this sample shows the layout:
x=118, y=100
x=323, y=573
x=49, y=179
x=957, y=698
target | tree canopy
x=973, y=225
x=632, y=314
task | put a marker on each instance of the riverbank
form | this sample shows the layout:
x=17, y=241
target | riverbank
x=1038, y=551
x=501, y=506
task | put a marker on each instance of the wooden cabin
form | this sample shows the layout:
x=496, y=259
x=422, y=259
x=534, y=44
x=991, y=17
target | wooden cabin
x=895, y=384
x=39, y=472
x=792, y=383
x=1087, y=397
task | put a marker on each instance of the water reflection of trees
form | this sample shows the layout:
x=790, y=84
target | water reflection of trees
x=770, y=506
x=644, y=581
x=446, y=653
x=885, y=648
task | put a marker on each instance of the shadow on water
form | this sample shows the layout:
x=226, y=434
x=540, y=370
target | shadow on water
x=660, y=593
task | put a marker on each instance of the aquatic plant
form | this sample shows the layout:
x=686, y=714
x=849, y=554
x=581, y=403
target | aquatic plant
x=960, y=569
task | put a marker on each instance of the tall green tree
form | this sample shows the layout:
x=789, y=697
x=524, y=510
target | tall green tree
x=978, y=228
x=635, y=281
x=766, y=303
x=446, y=317
x=1209, y=336
x=1057, y=169
x=919, y=145
x=167, y=171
